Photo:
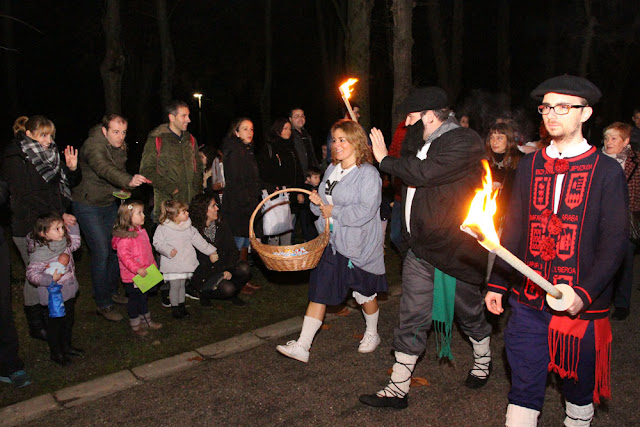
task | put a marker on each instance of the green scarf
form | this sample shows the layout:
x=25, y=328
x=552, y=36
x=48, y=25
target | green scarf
x=444, y=297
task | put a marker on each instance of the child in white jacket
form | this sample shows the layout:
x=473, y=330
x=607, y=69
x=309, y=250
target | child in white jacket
x=174, y=240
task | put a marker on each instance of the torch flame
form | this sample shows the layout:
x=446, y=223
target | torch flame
x=481, y=212
x=346, y=88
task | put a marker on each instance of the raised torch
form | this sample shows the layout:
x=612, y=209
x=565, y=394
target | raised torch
x=345, y=91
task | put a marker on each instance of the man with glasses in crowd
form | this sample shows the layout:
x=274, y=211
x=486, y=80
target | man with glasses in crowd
x=568, y=220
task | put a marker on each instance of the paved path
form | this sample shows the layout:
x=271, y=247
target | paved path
x=218, y=386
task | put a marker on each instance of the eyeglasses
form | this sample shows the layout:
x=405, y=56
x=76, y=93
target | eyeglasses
x=560, y=109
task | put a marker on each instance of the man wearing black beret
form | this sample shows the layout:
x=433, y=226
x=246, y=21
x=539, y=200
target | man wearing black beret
x=444, y=268
x=567, y=219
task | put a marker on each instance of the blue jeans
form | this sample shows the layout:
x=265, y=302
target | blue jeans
x=96, y=224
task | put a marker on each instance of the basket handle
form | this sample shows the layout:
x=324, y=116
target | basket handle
x=252, y=234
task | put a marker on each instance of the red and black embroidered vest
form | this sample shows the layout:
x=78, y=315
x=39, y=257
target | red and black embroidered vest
x=553, y=240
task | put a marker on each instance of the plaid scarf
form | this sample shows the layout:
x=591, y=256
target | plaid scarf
x=46, y=162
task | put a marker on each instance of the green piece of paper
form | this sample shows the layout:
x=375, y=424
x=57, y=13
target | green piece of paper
x=147, y=282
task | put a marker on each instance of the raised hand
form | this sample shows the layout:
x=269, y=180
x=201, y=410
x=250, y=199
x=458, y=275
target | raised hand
x=71, y=157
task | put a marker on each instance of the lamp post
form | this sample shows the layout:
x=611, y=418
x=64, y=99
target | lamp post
x=199, y=97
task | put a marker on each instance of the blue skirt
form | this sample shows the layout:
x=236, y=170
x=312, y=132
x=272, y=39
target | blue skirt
x=331, y=280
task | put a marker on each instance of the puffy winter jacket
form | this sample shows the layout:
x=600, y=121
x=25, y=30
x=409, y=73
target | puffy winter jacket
x=134, y=252
x=176, y=165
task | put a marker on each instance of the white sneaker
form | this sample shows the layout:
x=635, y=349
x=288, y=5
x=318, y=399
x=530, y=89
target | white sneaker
x=369, y=342
x=294, y=350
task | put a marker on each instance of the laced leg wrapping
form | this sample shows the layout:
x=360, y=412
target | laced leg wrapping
x=481, y=358
x=400, y=381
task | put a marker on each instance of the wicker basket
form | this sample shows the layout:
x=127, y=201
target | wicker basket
x=307, y=261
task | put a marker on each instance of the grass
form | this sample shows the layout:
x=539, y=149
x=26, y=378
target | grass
x=111, y=347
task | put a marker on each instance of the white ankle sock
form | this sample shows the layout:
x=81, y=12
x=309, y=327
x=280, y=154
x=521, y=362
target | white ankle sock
x=371, y=321
x=519, y=416
x=310, y=327
x=400, y=376
x=578, y=415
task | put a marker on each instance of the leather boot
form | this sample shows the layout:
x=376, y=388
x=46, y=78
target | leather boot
x=36, y=319
x=183, y=310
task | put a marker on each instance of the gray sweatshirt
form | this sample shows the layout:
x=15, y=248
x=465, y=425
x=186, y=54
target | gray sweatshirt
x=357, y=229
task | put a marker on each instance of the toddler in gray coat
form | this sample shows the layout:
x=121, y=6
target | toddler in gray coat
x=175, y=239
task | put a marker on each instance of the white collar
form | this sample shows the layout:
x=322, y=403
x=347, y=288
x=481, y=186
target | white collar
x=571, y=151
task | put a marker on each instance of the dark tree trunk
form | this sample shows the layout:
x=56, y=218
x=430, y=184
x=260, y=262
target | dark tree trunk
x=358, y=52
x=265, y=100
x=11, y=99
x=589, y=33
x=402, y=45
x=457, y=49
x=552, y=41
x=112, y=67
x=328, y=71
x=438, y=43
x=503, y=56
x=166, y=53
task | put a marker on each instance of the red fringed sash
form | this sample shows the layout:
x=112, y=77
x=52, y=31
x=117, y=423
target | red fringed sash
x=564, y=351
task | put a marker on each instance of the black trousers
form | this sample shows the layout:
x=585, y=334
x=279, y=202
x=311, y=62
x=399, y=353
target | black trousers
x=59, y=329
x=9, y=360
x=218, y=288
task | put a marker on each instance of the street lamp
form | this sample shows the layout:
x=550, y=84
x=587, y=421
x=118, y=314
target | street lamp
x=199, y=97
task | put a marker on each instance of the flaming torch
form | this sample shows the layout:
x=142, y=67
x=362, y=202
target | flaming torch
x=345, y=91
x=479, y=224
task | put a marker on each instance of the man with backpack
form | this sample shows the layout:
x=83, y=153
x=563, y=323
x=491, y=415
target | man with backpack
x=171, y=160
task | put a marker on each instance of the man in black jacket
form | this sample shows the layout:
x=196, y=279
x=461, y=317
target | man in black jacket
x=443, y=268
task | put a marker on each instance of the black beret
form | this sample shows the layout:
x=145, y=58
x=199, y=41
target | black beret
x=568, y=85
x=424, y=98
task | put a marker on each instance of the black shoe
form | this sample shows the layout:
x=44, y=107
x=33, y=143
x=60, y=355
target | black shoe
x=620, y=313
x=183, y=310
x=176, y=312
x=61, y=359
x=384, y=402
x=191, y=293
x=238, y=302
x=474, y=382
x=74, y=352
x=36, y=318
x=164, y=295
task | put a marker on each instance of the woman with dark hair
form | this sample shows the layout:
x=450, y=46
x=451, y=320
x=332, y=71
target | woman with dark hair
x=280, y=167
x=350, y=193
x=243, y=190
x=225, y=278
x=40, y=181
x=212, y=175
x=243, y=186
x=504, y=155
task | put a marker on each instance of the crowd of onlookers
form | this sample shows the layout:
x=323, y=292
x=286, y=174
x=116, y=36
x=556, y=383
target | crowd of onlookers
x=203, y=197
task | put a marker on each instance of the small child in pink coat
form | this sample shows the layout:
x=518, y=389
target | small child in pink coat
x=131, y=241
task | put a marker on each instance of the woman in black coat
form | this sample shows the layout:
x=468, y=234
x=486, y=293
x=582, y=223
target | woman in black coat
x=40, y=181
x=243, y=186
x=280, y=167
x=226, y=277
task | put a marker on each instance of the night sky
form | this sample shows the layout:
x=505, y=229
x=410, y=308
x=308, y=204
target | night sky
x=220, y=51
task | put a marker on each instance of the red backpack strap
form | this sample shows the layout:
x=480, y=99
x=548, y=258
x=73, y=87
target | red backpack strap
x=193, y=148
x=158, y=149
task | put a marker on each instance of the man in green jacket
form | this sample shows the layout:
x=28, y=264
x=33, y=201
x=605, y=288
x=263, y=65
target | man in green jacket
x=102, y=160
x=171, y=160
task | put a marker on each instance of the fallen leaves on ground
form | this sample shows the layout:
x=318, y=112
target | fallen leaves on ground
x=325, y=327
x=195, y=359
x=419, y=382
x=358, y=336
